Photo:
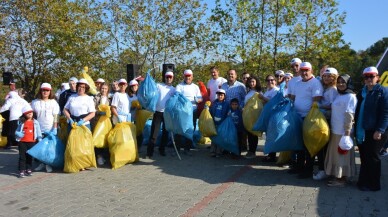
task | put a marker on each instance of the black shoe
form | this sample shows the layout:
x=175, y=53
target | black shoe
x=7, y=147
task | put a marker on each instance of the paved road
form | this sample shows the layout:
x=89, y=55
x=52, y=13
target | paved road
x=197, y=185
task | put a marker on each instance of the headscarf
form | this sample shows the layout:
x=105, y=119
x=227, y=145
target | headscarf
x=349, y=85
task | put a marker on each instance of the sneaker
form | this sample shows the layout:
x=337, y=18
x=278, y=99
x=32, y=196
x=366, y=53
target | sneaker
x=28, y=172
x=320, y=175
x=40, y=167
x=250, y=155
x=383, y=152
x=336, y=183
x=100, y=161
x=22, y=174
x=49, y=169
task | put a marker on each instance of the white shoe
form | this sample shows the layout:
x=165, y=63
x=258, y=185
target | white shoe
x=40, y=167
x=320, y=175
x=49, y=169
x=100, y=161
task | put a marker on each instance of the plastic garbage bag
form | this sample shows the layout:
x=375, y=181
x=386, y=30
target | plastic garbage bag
x=251, y=113
x=62, y=129
x=3, y=139
x=102, y=128
x=205, y=97
x=49, y=151
x=227, y=136
x=141, y=118
x=84, y=75
x=148, y=94
x=206, y=123
x=147, y=133
x=262, y=123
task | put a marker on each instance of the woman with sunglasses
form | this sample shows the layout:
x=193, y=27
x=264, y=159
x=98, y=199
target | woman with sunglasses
x=47, y=111
x=371, y=129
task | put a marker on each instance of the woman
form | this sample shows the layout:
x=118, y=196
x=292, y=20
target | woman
x=287, y=78
x=102, y=98
x=120, y=104
x=272, y=90
x=253, y=86
x=371, y=129
x=279, y=75
x=132, y=93
x=340, y=166
x=47, y=111
x=80, y=107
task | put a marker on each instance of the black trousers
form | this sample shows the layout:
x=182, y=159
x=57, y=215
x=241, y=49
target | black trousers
x=25, y=160
x=252, y=142
x=11, y=139
x=157, y=120
x=370, y=169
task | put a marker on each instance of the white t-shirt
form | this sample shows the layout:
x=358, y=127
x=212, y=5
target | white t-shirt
x=213, y=85
x=329, y=95
x=45, y=112
x=343, y=103
x=165, y=92
x=14, y=105
x=304, y=93
x=291, y=84
x=121, y=102
x=80, y=105
x=189, y=91
x=271, y=93
x=249, y=95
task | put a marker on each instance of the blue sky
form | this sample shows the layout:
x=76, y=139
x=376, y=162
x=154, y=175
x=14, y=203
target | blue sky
x=366, y=22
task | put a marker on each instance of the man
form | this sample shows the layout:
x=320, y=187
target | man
x=295, y=67
x=98, y=84
x=215, y=83
x=120, y=104
x=234, y=88
x=245, y=76
x=193, y=94
x=67, y=93
x=12, y=87
x=166, y=90
x=308, y=90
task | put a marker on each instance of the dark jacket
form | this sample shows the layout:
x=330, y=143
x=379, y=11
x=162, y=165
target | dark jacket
x=375, y=109
x=219, y=111
x=63, y=98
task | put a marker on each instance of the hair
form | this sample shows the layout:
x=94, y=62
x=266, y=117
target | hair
x=258, y=84
x=332, y=84
x=22, y=92
x=245, y=72
x=87, y=87
x=130, y=91
x=214, y=68
x=106, y=84
x=234, y=100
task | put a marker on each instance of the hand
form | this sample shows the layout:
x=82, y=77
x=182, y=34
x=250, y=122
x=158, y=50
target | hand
x=81, y=122
x=19, y=134
x=71, y=121
x=102, y=113
x=377, y=135
x=54, y=131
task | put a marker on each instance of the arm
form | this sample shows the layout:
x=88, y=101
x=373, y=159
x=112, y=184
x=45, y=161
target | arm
x=348, y=124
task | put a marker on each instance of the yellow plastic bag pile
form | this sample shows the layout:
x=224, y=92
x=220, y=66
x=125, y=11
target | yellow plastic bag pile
x=3, y=139
x=142, y=116
x=102, y=128
x=122, y=144
x=251, y=113
x=79, y=153
x=206, y=123
x=84, y=74
x=316, y=131
x=62, y=131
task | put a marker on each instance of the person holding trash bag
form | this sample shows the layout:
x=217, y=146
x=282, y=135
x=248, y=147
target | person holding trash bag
x=193, y=94
x=308, y=90
x=166, y=90
x=47, y=112
x=219, y=111
x=80, y=107
x=371, y=129
x=120, y=104
x=341, y=165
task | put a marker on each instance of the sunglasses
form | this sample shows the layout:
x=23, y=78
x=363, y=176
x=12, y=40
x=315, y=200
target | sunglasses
x=245, y=78
x=269, y=80
x=277, y=76
x=168, y=76
x=366, y=77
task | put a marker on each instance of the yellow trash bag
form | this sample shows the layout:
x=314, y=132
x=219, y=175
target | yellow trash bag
x=142, y=116
x=3, y=139
x=206, y=124
x=316, y=131
x=122, y=144
x=284, y=157
x=251, y=113
x=79, y=153
x=102, y=128
x=84, y=74
x=62, y=131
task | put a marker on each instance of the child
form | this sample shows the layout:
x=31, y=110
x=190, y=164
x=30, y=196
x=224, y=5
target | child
x=27, y=133
x=219, y=111
x=236, y=115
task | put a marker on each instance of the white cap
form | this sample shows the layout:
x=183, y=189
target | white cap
x=279, y=72
x=370, y=70
x=188, y=72
x=346, y=143
x=221, y=91
x=73, y=79
x=305, y=65
x=331, y=71
x=133, y=82
x=27, y=109
x=122, y=81
x=100, y=80
x=295, y=60
x=289, y=75
x=82, y=81
x=45, y=86
x=169, y=74
x=65, y=86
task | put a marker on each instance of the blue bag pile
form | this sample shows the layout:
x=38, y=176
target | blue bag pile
x=178, y=116
x=227, y=136
x=49, y=151
x=147, y=133
x=284, y=131
x=148, y=94
x=262, y=123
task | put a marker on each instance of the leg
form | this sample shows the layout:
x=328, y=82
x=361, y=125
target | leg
x=29, y=157
x=22, y=156
x=164, y=138
x=155, y=128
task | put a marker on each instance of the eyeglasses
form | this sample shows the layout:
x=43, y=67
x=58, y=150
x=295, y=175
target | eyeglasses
x=366, y=77
x=277, y=76
x=168, y=76
x=270, y=80
x=83, y=87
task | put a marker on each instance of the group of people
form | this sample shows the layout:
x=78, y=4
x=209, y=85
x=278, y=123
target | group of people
x=363, y=116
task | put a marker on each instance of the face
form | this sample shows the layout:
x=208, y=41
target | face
x=295, y=67
x=12, y=87
x=323, y=69
x=252, y=83
x=188, y=79
x=245, y=78
x=122, y=87
x=271, y=82
x=45, y=93
x=370, y=80
x=220, y=96
x=232, y=76
x=72, y=85
x=327, y=79
x=98, y=85
x=341, y=84
x=214, y=73
x=279, y=78
x=29, y=115
x=104, y=90
x=116, y=86
x=134, y=88
x=305, y=74
x=287, y=79
x=234, y=105
x=169, y=79
x=81, y=89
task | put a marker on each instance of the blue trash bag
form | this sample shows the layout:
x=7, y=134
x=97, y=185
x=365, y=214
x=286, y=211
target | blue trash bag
x=49, y=151
x=147, y=133
x=262, y=123
x=227, y=136
x=148, y=94
x=196, y=136
x=178, y=116
x=284, y=132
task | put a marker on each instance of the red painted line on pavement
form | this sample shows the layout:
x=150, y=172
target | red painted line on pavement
x=215, y=193
x=26, y=182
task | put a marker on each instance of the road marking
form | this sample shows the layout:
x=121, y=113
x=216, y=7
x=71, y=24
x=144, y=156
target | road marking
x=26, y=181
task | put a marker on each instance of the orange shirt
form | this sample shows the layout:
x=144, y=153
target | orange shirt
x=28, y=130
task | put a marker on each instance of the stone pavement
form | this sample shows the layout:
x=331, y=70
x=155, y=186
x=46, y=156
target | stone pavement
x=197, y=185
